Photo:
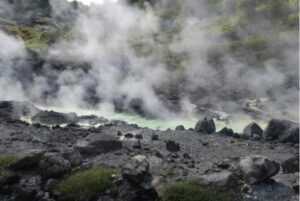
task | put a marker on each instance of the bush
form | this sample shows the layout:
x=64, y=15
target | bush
x=193, y=191
x=87, y=185
x=6, y=159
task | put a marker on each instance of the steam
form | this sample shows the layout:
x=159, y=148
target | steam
x=118, y=55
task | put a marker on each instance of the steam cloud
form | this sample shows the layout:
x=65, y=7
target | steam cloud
x=118, y=52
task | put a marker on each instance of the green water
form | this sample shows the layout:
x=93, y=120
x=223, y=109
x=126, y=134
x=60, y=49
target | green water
x=237, y=124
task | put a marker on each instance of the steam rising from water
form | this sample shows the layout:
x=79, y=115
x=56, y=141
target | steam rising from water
x=127, y=52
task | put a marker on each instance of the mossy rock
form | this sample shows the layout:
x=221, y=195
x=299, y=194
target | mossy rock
x=6, y=159
x=193, y=191
x=86, y=185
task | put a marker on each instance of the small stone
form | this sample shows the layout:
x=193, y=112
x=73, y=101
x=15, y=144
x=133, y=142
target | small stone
x=172, y=146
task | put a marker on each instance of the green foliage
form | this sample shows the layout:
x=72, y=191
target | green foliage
x=6, y=159
x=193, y=191
x=88, y=185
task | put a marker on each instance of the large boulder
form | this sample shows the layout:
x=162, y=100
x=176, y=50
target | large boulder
x=252, y=129
x=257, y=169
x=282, y=130
x=54, y=118
x=206, y=126
x=99, y=144
x=27, y=159
x=136, y=182
x=136, y=170
x=272, y=192
x=291, y=165
x=54, y=165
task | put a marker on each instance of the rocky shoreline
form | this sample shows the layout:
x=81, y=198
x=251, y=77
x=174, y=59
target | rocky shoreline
x=257, y=165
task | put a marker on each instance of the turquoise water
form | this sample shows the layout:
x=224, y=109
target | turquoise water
x=237, y=124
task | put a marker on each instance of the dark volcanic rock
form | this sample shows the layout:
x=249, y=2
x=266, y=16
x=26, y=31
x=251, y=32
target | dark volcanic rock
x=154, y=137
x=99, y=144
x=226, y=131
x=206, y=126
x=282, y=130
x=291, y=165
x=128, y=135
x=257, y=169
x=54, y=165
x=172, y=146
x=252, y=129
x=27, y=159
x=180, y=128
x=55, y=118
x=14, y=109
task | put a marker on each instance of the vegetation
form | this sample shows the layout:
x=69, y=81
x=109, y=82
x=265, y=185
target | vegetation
x=87, y=185
x=6, y=159
x=193, y=191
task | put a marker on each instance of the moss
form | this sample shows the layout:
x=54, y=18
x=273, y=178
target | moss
x=88, y=185
x=291, y=20
x=6, y=159
x=193, y=191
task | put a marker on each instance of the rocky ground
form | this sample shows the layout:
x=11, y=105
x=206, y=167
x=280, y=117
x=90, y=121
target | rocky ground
x=257, y=165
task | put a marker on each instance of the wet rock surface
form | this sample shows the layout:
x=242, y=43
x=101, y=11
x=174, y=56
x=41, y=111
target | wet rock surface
x=147, y=161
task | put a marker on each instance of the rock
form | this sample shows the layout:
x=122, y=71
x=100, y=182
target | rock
x=136, y=185
x=252, y=129
x=54, y=118
x=137, y=145
x=186, y=156
x=128, y=135
x=226, y=131
x=257, y=169
x=273, y=192
x=105, y=198
x=136, y=170
x=172, y=146
x=291, y=165
x=224, y=179
x=119, y=133
x=27, y=159
x=282, y=130
x=206, y=126
x=180, y=128
x=99, y=144
x=9, y=178
x=154, y=137
x=130, y=192
x=50, y=185
x=54, y=165
x=139, y=136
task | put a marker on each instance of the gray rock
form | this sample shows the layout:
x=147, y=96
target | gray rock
x=224, y=179
x=252, y=129
x=99, y=144
x=272, y=192
x=54, y=165
x=27, y=159
x=291, y=165
x=257, y=169
x=282, y=130
x=136, y=170
x=206, y=126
